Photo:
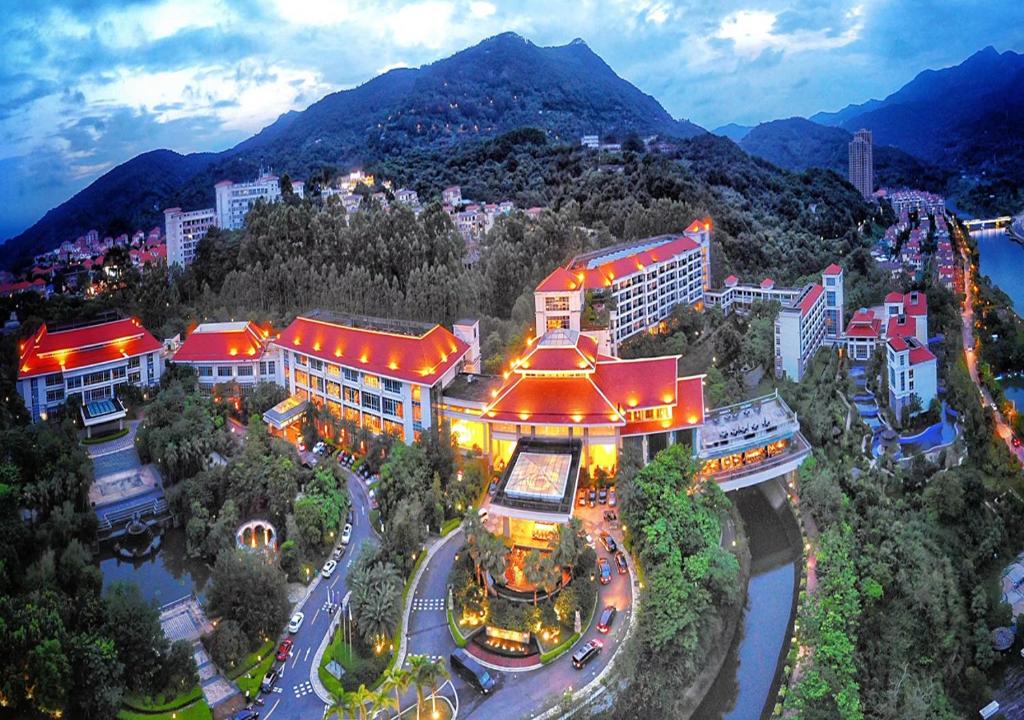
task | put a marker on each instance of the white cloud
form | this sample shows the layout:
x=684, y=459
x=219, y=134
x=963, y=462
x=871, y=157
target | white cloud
x=751, y=32
x=481, y=9
x=427, y=24
x=132, y=27
x=313, y=12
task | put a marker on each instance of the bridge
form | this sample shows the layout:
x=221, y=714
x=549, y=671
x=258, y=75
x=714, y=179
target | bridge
x=988, y=224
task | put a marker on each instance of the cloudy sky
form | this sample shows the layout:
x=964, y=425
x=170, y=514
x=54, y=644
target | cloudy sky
x=87, y=84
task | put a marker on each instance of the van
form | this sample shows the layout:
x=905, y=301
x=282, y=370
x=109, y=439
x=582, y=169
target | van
x=471, y=671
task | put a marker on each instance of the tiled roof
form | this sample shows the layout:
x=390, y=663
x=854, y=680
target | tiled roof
x=832, y=269
x=811, y=297
x=901, y=326
x=573, y=352
x=603, y=275
x=420, y=359
x=553, y=400
x=920, y=354
x=638, y=384
x=560, y=280
x=50, y=352
x=223, y=342
x=767, y=284
x=688, y=412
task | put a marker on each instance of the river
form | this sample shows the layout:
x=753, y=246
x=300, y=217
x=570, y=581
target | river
x=747, y=681
x=1002, y=259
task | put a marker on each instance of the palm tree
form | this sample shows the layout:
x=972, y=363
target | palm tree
x=552, y=574
x=474, y=534
x=534, y=570
x=382, y=700
x=341, y=703
x=363, y=697
x=493, y=555
x=397, y=681
x=567, y=547
x=432, y=674
x=418, y=677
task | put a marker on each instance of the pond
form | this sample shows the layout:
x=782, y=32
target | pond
x=164, y=577
x=748, y=679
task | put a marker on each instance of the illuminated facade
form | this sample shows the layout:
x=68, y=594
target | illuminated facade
x=184, y=230
x=89, y=362
x=382, y=381
x=564, y=389
x=630, y=287
x=236, y=352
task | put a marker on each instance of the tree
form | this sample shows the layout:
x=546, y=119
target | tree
x=376, y=598
x=229, y=643
x=493, y=555
x=426, y=673
x=134, y=626
x=179, y=668
x=534, y=571
x=406, y=532
x=397, y=681
x=240, y=576
x=96, y=677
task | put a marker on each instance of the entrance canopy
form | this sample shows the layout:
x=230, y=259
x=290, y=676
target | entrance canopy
x=103, y=411
x=285, y=412
x=539, y=482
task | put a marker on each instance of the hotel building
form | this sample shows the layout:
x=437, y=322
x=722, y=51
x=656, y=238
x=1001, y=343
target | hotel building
x=902, y=315
x=184, y=230
x=617, y=292
x=800, y=332
x=383, y=381
x=227, y=352
x=89, y=362
x=862, y=163
x=234, y=200
x=912, y=372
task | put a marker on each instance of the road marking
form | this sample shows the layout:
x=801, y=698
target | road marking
x=277, y=690
x=302, y=689
x=295, y=659
x=273, y=708
x=315, y=615
x=307, y=653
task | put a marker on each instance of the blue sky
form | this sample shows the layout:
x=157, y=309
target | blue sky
x=87, y=84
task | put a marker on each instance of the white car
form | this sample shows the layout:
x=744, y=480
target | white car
x=295, y=623
x=346, y=534
x=328, y=568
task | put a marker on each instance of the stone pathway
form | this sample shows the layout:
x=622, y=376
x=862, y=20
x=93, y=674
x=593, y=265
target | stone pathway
x=184, y=619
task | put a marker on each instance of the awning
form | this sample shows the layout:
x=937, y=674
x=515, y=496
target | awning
x=103, y=411
x=285, y=412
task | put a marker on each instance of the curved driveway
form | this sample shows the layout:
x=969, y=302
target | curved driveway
x=525, y=693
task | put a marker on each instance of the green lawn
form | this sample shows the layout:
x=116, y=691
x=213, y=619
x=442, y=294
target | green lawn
x=196, y=711
x=159, y=703
x=250, y=671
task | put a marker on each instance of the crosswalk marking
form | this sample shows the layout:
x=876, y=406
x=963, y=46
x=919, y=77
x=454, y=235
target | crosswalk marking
x=302, y=689
x=435, y=658
x=428, y=603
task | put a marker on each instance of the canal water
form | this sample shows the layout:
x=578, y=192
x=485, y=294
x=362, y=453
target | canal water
x=1002, y=259
x=164, y=577
x=746, y=686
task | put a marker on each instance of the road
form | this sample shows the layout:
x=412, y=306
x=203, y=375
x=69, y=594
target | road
x=293, y=697
x=519, y=694
x=1003, y=429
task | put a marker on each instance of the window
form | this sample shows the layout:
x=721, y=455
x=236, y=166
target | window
x=371, y=401
x=267, y=368
x=333, y=389
x=119, y=373
x=351, y=375
x=316, y=365
x=74, y=382
x=352, y=395
x=205, y=371
x=392, y=386
x=245, y=371
x=333, y=370
x=392, y=407
x=55, y=395
x=371, y=381
x=557, y=304
x=134, y=377
x=558, y=323
x=97, y=377
x=300, y=360
x=318, y=382
x=224, y=371
x=301, y=377
x=54, y=380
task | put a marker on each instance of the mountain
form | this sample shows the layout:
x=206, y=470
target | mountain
x=734, y=132
x=797, y=144
x=503, y=83
x=969, y=117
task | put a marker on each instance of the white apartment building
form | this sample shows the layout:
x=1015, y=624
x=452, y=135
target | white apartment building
x=90, y=362
x=234, y=200
x=799, y=332
x=634, y=285
x=912, y=372
x=184, y=230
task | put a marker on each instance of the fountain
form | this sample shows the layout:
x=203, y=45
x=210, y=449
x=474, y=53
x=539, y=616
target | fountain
x=140, y=541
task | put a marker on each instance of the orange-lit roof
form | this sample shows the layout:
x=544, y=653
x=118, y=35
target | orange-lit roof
x=560, y=400
x=420, y=359
x=65, y=350
x=223, y=342
x=688, y=413
x=559, y=351
x=639, y=384
x=603, y=275
x=560, y=280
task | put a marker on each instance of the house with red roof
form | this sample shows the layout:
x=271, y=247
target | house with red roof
x=230, y=352
x=912, y=372
x=913, y=305
x=386, y=381
x=90, y=362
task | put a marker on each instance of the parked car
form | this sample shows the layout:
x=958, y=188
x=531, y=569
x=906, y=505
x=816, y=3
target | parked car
x=283, y=649
x=592, y=498
x=586, y=653
x=319, y=448
x=607, y=618
x=609, y=542
x=613, y=499
x=602, y=496
x=590, y=540
x=583, y=498
x=339, y=550
x=246, y=714
x=346, y=534
x=610, y=516
x=296, y=622
x=493, y=488
x=351, y=517
x=620, y=563
x=268, y=680
x=328, y=569
x=466, y=667
x=606, y=570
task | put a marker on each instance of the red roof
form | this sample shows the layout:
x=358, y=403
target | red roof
x=51, y=352
x=901, y=326
x=915, y=303
x=767, y=284
x=731, y=280
x=864, y=324
x=420, y=359
x=894, y=297
x=898, y=343
x=560, y=280
x=577, y=352
x=603, y=275
x=638, y=384
x=920, y=354
x=555, y=400
x=223, y=342
x=833, y=269
x=688, y=412
x=807, y=303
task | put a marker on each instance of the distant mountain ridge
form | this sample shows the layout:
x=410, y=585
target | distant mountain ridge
x=503, y=83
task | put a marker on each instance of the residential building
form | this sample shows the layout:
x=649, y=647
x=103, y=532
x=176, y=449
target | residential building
x=384, y=381
x=912, y=373
x=619, y=291
x=230, y=352
x=862, y=164
x=590, y=141
x=832, y=280
x=452, y=196
x=184, y=230
x=234, y=200
x=735, y=296
x=90, y=362
x=800, y=331
x=913, y=305
x=901, y=316
x=919, y=201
